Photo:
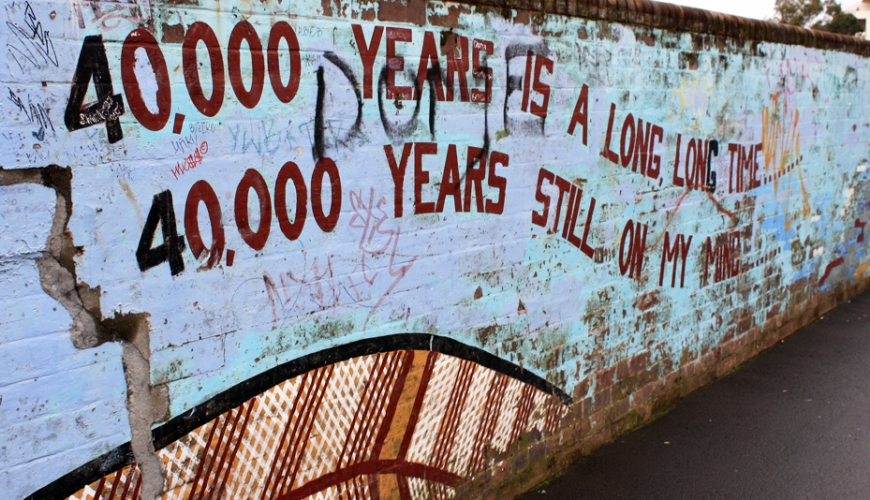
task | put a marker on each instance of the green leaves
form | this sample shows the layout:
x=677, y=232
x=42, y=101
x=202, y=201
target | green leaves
x=823, y=15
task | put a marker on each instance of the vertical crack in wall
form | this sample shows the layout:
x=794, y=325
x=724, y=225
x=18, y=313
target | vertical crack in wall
x=145, y=404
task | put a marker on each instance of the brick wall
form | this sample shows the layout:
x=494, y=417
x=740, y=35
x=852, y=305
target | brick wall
x=466, y=241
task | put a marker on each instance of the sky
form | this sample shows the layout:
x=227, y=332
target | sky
x=756, y=9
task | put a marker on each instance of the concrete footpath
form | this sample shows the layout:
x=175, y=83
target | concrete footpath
x=793, y=423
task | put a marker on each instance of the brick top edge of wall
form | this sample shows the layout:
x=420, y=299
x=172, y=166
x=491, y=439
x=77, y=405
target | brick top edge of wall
x=662, y=15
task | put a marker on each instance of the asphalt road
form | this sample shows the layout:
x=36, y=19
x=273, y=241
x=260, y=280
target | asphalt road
x=792, y=423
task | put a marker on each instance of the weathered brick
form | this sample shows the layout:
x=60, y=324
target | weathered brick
x=603, y=398
x=639, y=362
x=622, y=369
x=604, y=379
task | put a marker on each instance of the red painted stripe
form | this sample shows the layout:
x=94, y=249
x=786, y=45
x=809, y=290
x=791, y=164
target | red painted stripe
x=138, y=486
x=404, y=488
x=451, y=419
x=408, y=469
x=129, y=482
x=223, y=451
x=358, y=488
x=203, y=459
x=405, y=360
x=398, y=388
x=278, y=449
x=524, y=411
x=418, y=403
x=553, y=410
x=216, y=453
x=339, y=488
x=236, y=446
x=376, y=415
x=361, y=413
x=487, y=426
x=439, y=491
x=100, y=487
x=830, y=267
x=319, y=391
x=308, y=393
x=115, y=482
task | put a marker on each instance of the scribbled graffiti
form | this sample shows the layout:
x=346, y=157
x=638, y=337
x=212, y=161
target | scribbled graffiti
x=30, y=45
x=358, y=281
x=36, y=114
x=110, y=13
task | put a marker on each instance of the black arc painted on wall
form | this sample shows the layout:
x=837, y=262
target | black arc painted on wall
x=200, y=415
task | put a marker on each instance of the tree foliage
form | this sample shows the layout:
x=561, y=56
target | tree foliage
x=823, y=15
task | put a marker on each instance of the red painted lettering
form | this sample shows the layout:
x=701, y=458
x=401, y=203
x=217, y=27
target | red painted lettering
x=203, y=192
x=606, y=152
x=458, y=67
x=396, y=63
x=245, y=31
x=540, y=218
x=474, y=178
x=642, y=147
x=572, y=224
x=290, y=171
x=368, y=53
x=654, y=168
x=626, y=141
x=678, y=181
x=140, y=38
x=283, y=31
x=497, y=182
x=540, y=87
x=672, y=253
x=482, y=71
x=429, y=59
x=581, y=114
x=199, y=31
x=732, y=149
x=398, y=173
x=326, y=222
x=450, y=182
x=253, y=180
x=421, y=177
x=563, y=185
x=691, y=167
x=584, y=246
x=527, y=81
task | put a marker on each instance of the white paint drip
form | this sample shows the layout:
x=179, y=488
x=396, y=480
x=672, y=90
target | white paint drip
x=847, y=194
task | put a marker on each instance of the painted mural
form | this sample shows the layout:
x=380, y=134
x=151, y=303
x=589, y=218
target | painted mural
x=394, y=439
x=286, y=250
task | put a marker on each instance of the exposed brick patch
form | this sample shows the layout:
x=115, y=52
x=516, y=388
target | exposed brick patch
x=603, y=398
x=622, y=369
x=639, y=362
x=407, y=11
x=582, y=389
x=451, y=19
x=604, y=379
x=633, y=391
x=684, y=19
